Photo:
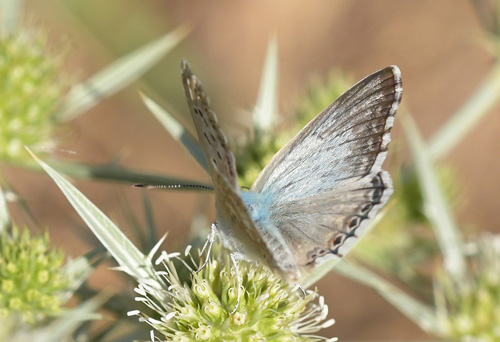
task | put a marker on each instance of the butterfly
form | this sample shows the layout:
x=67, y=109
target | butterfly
x=319, y=192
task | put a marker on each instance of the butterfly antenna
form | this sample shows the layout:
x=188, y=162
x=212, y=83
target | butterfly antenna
x=174, y=186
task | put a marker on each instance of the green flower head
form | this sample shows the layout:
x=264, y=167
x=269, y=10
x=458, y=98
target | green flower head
x=200, y=308
x=471, y=311
x=31, y=278
x=31, y=88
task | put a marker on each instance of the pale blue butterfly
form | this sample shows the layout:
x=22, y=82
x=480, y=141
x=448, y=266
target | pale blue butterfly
x=319, y=192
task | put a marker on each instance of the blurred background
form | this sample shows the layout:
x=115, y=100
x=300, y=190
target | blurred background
x=436, y=44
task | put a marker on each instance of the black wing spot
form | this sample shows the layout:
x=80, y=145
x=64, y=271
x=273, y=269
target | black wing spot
x=316, y=253
x=335, y=243
x=206, y=137
x=366, y=208
x=218, y=154
x=374, y=195
x=353, y=222
x=377, y=182
x=377, y=194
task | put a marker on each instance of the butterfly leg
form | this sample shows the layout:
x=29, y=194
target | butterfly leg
x=208, y=244
x=235, y=256
x=301, y=289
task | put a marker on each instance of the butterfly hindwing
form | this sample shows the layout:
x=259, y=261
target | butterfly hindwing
x=330, y=222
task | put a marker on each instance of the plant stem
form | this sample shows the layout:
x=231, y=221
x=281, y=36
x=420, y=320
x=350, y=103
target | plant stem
x=453, y=131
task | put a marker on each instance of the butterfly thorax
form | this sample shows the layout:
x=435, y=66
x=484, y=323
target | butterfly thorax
x=259, y=206
x=265, y=243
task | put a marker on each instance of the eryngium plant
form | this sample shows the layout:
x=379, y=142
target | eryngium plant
x=200, y=308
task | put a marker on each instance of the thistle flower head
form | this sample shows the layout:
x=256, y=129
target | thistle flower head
x=199, y=308
x=31, y=279
x=31, y=88
x=471, y=311
x=254, y=154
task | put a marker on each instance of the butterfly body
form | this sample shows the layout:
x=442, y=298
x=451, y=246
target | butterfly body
x=259, y=207
x=272, y=246
x=319, y=192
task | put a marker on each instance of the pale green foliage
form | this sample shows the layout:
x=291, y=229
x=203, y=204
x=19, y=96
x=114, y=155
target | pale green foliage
x=320, y=94
x=403, y=241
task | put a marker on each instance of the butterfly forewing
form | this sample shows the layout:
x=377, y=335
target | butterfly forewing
x=233, y=219
x=344, y=142
x=327, y=182
x=212, y=139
